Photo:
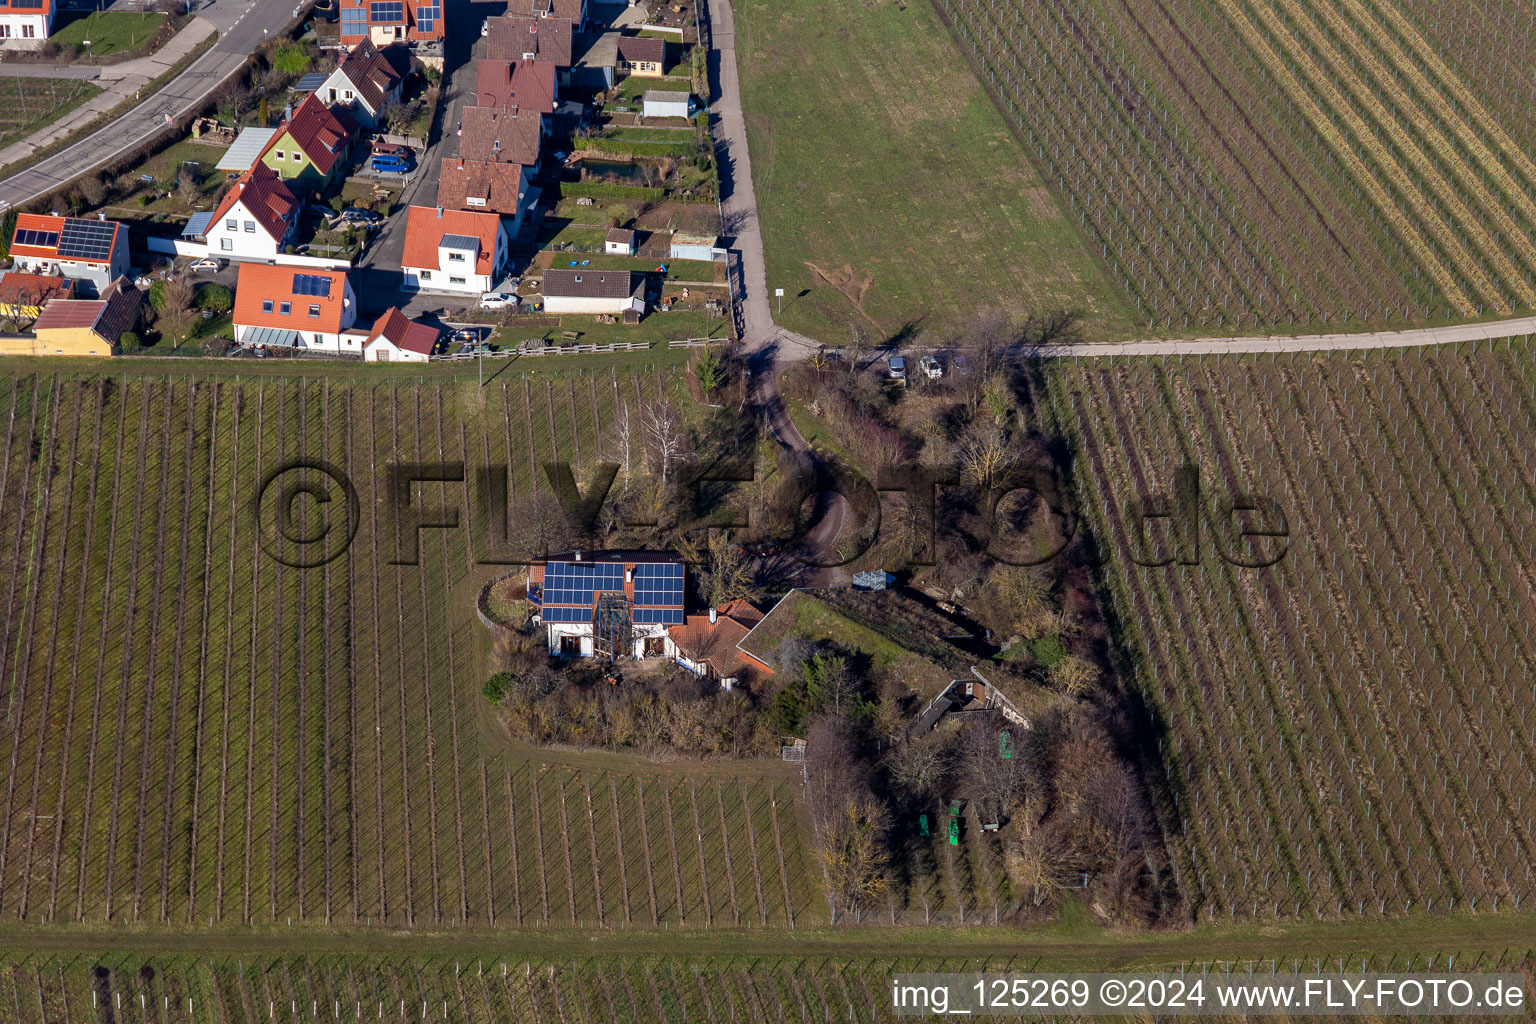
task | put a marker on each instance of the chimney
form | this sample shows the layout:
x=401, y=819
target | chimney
x=439, y=213
x=713, y=615
x=629, y=574
x=578, y=555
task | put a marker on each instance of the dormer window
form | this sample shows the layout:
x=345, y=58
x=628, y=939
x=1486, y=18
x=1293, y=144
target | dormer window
x=455, y=257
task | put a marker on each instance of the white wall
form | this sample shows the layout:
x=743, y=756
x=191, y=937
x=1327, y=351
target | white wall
x=568, y=304
x=237, y=242
x=665, y=109
x=384, y=346
x=18, y=24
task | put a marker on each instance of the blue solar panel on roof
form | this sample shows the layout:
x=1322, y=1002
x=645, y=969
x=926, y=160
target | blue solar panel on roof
x=29, y=236
x=387, y=11
x=311, y=284
x=567, y=614
x=313, y=80
x=661, y=616
x=86, y=239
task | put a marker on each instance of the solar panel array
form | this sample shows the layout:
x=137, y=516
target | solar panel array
x=583, y=614
x=659, y=584
x=386, y=11
x=30, y=236
x=311, y=284
x=86, y=239
x=426, y=18
x=579, y=582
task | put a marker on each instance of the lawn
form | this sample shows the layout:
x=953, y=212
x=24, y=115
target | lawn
x=677, y=270
x=109, y=31
x=657, y=327
x=633, y=88
x=917, y=194
x=27, y=104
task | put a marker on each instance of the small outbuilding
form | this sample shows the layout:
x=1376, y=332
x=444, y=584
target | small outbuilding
x=666, y=104
x=695, y=247
x=620, y=242
x=593, y=291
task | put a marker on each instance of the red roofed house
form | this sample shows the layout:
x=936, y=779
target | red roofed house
x=365, y=82
x=391, y=21
x=296, y=307
x=525, y=84
x=311, y=145
x=524, y=37
x=396, y=338
x=455, y=251
x=482, y=185
x=26, y=24
x=501, y=134
x=255, y=218
x=91, y=327
x=90, y=251
x=707, y=644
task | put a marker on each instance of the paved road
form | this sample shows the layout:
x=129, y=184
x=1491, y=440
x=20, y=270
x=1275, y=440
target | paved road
x=241, y=24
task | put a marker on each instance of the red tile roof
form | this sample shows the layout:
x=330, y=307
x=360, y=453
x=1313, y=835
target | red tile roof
x=259, y=282
x=498, y=186
x=32, y=289
x=410, y=18
x=525, y=84
x=548, y=39
x=501, y=134
x=425, y=227
x=569, y=9
x=262, y=191
x=54, y=226
x=404, y=333
x=319, y=131
x=714, y=643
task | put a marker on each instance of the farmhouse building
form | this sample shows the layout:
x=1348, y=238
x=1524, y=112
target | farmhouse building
x=524, y=37
x=505, y=135
x=526, y=84
x=707, y=645
x=87, y=327
x=608, y=603
x=593, y=291
x=93, y=252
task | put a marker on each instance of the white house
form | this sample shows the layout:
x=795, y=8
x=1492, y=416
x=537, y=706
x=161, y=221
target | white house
x=365, y=82
x=593, y=291
x=395, y=338
x=296, y=307
x=665, y=104
x=94, y=252
x=609, y=603
x=254, y=220
x=456, y=251
x=26, y=24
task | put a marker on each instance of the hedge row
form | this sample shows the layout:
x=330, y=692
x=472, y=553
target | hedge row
x=636, y=147
x=603, y=190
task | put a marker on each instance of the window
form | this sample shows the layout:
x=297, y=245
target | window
x=231, y=225
x=29, y=31
x=354, y=22
x=333, y=95
x=226, y=244
x=5, y=31
x=474, y=201
x=455, y=257
x=279, y=155
x=314, y=311
x=318, y=342
x=455, y=280
x=250, y=227
x=286, y=308
x=426, y=275
x=266, y=305
x=349, y=94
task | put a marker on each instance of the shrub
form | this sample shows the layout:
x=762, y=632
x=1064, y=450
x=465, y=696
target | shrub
x=291, y=59
x=1048, y=650
x=129, y=342
x=216, y=297
x=338, y=204
x=497, y=687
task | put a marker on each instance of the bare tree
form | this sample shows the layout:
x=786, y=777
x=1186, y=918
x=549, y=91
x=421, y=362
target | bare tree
x=542, y=523
x=621, y=437
x=176, y=314
x=985, y=454
x=661, y=424
x=921, y=766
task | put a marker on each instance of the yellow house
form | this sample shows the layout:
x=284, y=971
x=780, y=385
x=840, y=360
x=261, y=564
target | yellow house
x=645, y=56
x=80, y=327
x=23, y=296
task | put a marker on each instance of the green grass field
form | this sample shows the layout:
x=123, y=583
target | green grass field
x=874, y=149
x=109, y=31
x=27, y=104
